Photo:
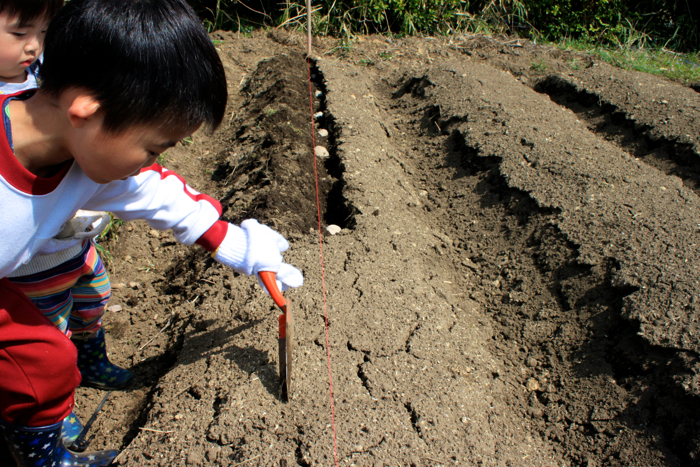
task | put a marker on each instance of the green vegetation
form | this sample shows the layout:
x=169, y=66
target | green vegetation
x=105, y=254
x=656, y=24
x=148, y=268
x=293, y=128
x=539, y=66
x=224, y=14
x=684, y=68
x=652, y=24
x=657, y=36
x=112, y=229
x=110, y=232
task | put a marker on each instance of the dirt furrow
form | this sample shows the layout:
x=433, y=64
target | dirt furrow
x=667, y=110
x=423, y=338
x=548, y=153
x=497, y=135
x=670, y=151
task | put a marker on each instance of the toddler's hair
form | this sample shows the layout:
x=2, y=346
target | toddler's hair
x=145, y=61
x=27, y=10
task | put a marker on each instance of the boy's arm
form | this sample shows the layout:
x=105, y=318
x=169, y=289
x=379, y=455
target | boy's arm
x=163, y=199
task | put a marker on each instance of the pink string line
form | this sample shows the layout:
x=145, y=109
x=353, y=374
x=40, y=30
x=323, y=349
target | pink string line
x=320, y=244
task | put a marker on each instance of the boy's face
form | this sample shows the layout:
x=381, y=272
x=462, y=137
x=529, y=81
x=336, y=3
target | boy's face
x=20, y=46
x=106, y=157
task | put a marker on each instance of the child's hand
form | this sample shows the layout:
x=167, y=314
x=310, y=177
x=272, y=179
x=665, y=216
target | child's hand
x=254, y=247
x=288, y=276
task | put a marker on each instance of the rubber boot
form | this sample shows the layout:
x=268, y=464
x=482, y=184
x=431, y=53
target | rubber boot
x=95, y=367
x=72, y=426
x=43, y=446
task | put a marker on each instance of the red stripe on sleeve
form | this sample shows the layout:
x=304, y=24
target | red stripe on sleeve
x=196, y=196
x=213, y=237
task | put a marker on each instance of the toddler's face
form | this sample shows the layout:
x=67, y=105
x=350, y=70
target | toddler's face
x=20, y=46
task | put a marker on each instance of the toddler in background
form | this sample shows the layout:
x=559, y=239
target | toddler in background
x=23, y=26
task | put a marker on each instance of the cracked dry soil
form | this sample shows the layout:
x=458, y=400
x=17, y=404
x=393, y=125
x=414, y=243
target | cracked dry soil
x=514, y=283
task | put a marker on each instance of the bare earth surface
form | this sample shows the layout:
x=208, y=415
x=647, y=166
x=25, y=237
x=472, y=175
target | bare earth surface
x=515, y=281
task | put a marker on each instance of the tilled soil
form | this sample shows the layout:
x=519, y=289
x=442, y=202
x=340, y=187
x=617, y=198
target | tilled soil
x=514, y=282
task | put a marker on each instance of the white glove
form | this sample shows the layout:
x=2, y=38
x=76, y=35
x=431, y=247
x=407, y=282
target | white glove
x=254, y=247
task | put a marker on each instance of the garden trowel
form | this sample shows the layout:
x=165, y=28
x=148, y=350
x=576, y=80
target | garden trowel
x=286, y=334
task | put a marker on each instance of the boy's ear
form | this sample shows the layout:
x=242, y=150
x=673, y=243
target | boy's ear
x=81, y=109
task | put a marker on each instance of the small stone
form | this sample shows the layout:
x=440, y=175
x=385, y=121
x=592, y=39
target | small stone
x=321, y=152
x=318, y=115
x=333, y=229
x=154, y=233
x=531, y=362
x=470, y=264
x=535, y=411
x=323, y=133
x=128, y=259
x=134, y=285
x=318, y=94
x=423, y=193
x=118, y=286
x=114, y=308
x=178, y=416
x=532, y=384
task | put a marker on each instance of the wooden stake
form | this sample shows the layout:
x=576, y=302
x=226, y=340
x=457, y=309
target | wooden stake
x=308, y=28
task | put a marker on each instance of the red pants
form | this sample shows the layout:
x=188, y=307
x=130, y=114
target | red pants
x=38, y=363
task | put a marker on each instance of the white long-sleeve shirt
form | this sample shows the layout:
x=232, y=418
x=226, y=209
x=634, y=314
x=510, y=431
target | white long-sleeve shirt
x=34, y=209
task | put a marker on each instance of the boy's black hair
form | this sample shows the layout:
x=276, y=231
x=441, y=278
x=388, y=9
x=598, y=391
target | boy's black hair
x=27, y=10
x=146, y=61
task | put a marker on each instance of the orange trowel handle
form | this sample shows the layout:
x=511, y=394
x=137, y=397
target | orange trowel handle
x=286, y=333
x=268, y=278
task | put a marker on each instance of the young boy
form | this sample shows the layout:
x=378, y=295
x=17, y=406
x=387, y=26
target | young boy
x=23, y=25
x=66, y=280
x=122, y=81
